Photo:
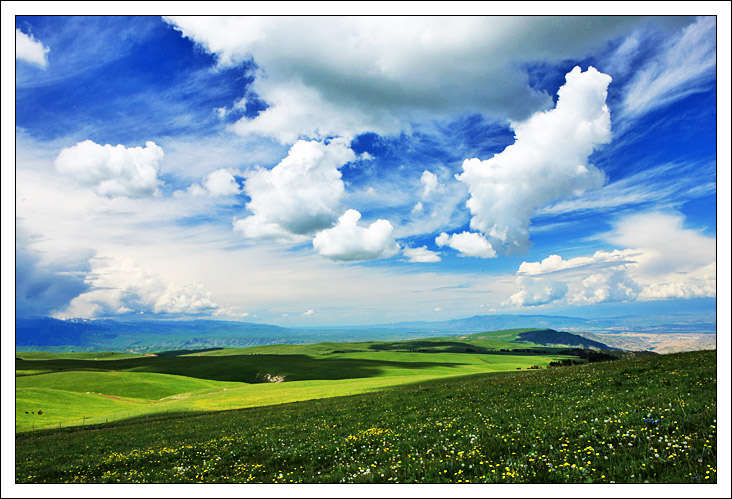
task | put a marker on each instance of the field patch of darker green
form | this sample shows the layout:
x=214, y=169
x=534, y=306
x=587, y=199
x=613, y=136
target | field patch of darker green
x=239, y=368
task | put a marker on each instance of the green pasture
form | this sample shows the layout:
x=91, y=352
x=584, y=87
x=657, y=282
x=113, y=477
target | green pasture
x=127, y=385
x=114, y=388
x=635, y=420
x=61, y=407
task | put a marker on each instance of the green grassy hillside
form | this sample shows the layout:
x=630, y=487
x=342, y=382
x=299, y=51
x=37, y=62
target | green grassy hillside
x=636, y=420
x=128, y=385
x=219, y=379
x=200, y=383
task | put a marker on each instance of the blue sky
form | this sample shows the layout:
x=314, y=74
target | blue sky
x=313, y=171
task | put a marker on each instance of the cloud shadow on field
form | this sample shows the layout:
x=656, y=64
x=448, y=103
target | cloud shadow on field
x=433, y=347
x=239, y=368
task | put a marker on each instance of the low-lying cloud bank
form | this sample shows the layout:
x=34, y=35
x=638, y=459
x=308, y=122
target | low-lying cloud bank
x=124, y=287
x=661, y=260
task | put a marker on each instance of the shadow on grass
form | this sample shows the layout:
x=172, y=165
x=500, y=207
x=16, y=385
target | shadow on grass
x=551, y=337
x=241, y=368
x=432, y=347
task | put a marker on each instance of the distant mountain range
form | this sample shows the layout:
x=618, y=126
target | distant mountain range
x=45, y=333
x=649, y=324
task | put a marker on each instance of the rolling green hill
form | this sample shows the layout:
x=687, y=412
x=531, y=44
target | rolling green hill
x=119, y=384
x=636, y=420
x=116, y=386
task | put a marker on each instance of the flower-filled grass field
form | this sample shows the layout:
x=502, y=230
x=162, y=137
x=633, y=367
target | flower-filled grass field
x=635, y=420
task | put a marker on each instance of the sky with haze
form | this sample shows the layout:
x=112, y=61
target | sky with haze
x=307, y=171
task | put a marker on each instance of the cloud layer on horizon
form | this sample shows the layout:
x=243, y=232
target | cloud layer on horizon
x=661, y=260
x=124, y=287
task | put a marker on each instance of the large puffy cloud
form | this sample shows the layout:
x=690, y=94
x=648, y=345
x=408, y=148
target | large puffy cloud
x=661, y=260
x=113, y=170
x=31, y=50
x=347, y=241
x=390, y=71
x=547, y=162
x=124, y=287
x=468, y=244
x=300, y=195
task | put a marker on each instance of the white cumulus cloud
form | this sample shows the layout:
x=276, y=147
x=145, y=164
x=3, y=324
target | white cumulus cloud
x=184, y=299
x=547, y=162
x=300, y=195
x=611, y=285
x=468, y=244
x=347, y=241
x=31, y=50
x=421, y=255
x=113, y=170
x=220, y=183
